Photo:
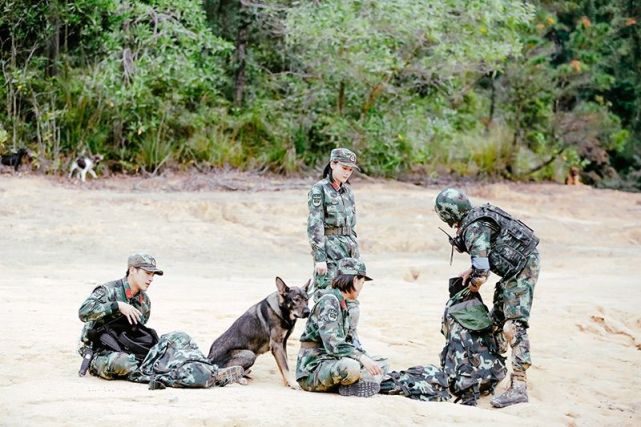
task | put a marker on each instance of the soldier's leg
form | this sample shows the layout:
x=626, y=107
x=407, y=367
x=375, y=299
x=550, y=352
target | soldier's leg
x=113, y=365
x=332, y=373
x=383, y=363
x=517, y=296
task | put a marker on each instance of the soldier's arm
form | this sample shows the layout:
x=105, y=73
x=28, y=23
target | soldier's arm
x=316, y=223
x=331, y=333
x=146, y=311
x=98, y=305
x=477, y=241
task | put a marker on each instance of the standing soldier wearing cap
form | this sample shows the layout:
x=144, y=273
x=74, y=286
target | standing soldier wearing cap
x=327, y=360
x=498, y=243
x=330, y=226
x=124, y=297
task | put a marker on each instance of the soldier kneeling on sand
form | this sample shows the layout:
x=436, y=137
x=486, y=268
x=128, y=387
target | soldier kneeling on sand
x=328, y=361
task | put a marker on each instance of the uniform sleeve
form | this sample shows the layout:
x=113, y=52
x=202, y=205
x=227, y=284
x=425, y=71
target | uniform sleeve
x=331, y=333
x=477, y=241
x=316, y=223
x=98, y=305
x=146, y=311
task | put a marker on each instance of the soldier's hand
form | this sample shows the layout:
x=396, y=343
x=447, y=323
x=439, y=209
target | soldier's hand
x=320, y=268
x=371, y=366
x=475, y=284
x=132, y=314
x=465, y=274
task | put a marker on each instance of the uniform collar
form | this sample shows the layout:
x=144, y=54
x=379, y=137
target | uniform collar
x=328, y=183
x=129, y=294
x=341, y=299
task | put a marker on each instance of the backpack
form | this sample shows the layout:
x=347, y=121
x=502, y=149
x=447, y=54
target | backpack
x=175, y=361
x=427, y=383
x=121, y=336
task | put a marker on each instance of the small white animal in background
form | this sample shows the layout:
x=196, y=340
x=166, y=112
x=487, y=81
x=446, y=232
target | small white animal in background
x=85, y=164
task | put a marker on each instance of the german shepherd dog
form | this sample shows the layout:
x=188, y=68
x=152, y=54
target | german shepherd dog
x=264, y=326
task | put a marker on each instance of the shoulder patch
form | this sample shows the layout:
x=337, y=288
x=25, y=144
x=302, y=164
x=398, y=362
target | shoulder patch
x=316, y=199
x=332, y=314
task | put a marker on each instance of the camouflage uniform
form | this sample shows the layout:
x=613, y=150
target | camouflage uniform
x=504, y=245
x=470, y=357
x=513, y=293
x=330, y=229
x=326, y=359
x=102, y=306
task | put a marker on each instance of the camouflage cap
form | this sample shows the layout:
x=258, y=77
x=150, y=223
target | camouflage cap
x=144, y=261
x=353, y=266
x=343, y=156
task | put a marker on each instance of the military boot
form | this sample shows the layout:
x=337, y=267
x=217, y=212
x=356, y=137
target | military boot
x=224, y=376
x=360, y=388
x=469, y=397
x=517, y=393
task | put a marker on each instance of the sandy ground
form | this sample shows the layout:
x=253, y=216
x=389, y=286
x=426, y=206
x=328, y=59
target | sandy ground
x=221, y=250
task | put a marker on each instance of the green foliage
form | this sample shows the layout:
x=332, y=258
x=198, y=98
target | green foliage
x=481, y=88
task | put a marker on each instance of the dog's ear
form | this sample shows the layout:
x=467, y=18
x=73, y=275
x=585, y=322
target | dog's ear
x=309, y=281
x=281, y=286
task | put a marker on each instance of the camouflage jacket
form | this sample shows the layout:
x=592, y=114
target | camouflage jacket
x=326, y=334
x=329, y=208
x=102, y=305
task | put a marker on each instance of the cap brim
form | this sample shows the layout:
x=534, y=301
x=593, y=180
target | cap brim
x=352, y=165
x=153, y=270
x=367, y=278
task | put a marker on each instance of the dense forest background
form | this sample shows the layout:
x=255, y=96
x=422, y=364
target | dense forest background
x=464, y=88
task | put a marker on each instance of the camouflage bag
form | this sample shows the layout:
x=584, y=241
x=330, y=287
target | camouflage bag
x=427, y=383
x=470, y=358
x=176, y=361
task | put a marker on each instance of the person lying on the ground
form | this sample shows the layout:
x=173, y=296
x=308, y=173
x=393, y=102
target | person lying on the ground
x=327, y=361
x=470, y=361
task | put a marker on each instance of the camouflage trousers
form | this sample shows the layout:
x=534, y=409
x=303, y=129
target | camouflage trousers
x=330, y=374
x=112, y=365
x=511, y=310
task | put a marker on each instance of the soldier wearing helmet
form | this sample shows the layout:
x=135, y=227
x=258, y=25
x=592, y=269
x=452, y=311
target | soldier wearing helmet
x=331, y=226
x=502, y=244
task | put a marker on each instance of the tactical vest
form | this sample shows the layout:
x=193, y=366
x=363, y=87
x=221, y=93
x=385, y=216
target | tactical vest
x=514, y=242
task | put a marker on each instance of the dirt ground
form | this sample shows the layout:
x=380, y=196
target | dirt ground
x=222, y=239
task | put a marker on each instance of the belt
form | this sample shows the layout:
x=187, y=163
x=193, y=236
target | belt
x=309, y=344
x=338, y=231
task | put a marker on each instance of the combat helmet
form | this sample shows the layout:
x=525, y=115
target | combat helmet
x=452, y=205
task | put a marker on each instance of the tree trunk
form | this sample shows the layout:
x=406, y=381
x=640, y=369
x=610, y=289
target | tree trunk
x=53, y=48
x=341, y=97
x=241, y=52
